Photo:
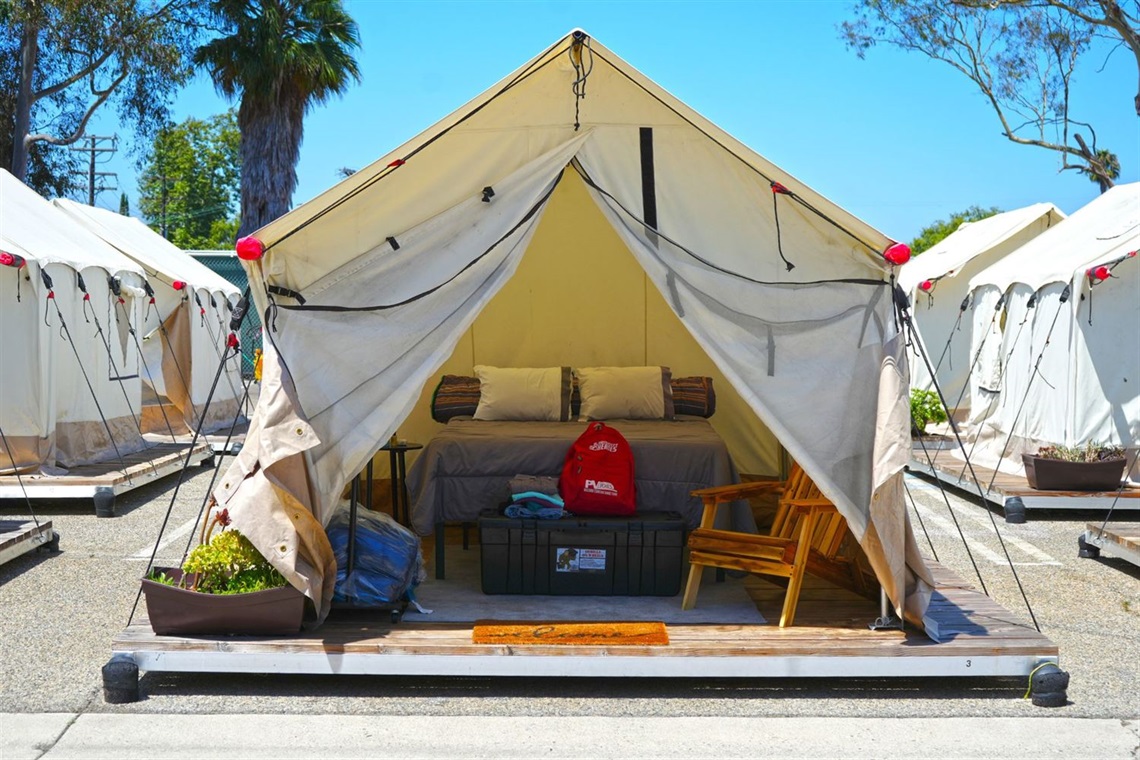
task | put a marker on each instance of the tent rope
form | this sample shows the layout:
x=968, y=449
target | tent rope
x=83, y=370
x=921, y=522
x=19, y=479
x=150, y=375
x=1030, y=304
x=1119, y=492
x=231, y=344
x=973, y=364
x=903, y=307
x=110, y=354
x=1065, y=294
x=777, y=190
x=397, y=163
x=271, y=319
x=590, y=181
x=582, y=68
x=748, y=165
x=215, y=339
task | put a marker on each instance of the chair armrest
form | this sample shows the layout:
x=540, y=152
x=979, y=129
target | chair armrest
x=734, y=491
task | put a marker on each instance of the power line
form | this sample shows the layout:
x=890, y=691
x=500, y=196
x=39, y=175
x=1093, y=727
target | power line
x=96, y=145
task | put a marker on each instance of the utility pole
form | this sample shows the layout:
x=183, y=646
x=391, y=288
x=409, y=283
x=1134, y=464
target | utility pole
x=96, y=145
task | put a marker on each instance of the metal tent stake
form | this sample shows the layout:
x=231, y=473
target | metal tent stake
x=885, y=620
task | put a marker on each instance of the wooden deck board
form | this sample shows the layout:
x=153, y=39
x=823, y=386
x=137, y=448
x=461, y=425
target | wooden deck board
x=832, y=631
x=1118, y=539
x=134, y=470
x=998, y=487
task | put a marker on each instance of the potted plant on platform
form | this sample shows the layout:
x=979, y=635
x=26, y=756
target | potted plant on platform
x=1091, y=467
x=925, y=407
x=225, y=586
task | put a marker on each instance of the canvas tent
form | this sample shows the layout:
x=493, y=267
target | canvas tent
x=534, y=227
x=183, y=334
x=937, y=285
x=1061, y=364
x=70, y=396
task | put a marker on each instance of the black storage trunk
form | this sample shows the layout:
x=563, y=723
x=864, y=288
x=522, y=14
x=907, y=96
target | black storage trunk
x=598, y=556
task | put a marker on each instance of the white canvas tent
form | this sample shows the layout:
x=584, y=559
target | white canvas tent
x=1052, y=371
x=410, y=266
x=184, y=333
x=69, y=396
x=941, y=308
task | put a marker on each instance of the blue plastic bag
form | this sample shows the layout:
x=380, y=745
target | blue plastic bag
x=387, y=564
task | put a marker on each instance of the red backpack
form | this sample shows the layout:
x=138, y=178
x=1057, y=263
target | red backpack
x=597, y=478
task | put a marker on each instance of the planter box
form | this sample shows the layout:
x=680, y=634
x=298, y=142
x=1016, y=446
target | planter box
x=1058, y=475
x=177, y=611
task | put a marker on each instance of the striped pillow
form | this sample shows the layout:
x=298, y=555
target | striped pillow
x=694, y=396
x=455, y=396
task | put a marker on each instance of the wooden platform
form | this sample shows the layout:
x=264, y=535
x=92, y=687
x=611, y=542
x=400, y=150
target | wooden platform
x=954, y=473
x=18, y=537
x=109, y=478
x=831, y=638
x=1115, y=539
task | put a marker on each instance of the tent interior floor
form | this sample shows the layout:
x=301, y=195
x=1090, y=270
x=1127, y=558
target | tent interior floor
x=831, y=638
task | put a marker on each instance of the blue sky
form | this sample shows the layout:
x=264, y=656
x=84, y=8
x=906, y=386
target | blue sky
x=896, y=139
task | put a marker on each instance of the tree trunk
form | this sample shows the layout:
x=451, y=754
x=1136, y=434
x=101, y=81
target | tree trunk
x=22, y=121
x=271, y=131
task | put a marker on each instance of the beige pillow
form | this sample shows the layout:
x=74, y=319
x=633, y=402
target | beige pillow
x=523, y=393
x=625, y=393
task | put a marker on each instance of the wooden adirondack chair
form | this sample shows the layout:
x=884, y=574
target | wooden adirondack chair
x=806, y=537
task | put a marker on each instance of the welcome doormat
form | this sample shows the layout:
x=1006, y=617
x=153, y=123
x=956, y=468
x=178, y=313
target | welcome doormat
x=573, y=633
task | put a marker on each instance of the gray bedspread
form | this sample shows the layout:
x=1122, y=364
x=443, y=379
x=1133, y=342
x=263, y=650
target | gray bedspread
x=464, y=469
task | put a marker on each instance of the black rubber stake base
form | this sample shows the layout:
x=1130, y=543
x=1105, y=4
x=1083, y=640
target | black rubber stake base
x=120, y=681
x=1048, y=686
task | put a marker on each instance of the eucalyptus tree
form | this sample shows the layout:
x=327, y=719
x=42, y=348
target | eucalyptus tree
x=62, y=61
x=1023, y=56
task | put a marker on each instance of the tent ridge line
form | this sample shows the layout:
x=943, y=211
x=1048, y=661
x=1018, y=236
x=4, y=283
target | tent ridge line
x=523, y=75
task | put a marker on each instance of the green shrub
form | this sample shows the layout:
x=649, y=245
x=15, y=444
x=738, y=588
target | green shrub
x=227, y=563
x=1090, y=452
x=925, y=407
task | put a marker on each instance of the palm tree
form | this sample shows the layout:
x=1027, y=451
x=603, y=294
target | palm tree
x=1103, y=169
x=281, y=57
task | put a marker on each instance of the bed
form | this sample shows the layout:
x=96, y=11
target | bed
x=465, y=468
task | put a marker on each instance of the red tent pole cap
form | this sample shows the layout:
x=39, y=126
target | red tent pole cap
x=249, y=248
x=397, y=162
x=11, y=260
x=897, y=254
x=178, y=285
x=926, y=285
x=232, y=341
x=779, y=188
x=1100, y=273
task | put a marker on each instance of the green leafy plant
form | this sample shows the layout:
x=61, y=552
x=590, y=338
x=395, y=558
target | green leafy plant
x=1090, y=452
x=925, y=407
x=226, y=563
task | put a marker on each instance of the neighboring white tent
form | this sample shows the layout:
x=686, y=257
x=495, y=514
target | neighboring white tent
x=937, y=284
x=64, y=389
x=184, y=333
x=372, y=286
x=1061, y=372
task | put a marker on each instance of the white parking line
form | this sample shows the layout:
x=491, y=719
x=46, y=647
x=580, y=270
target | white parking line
x=172, y=536
x=946, y=526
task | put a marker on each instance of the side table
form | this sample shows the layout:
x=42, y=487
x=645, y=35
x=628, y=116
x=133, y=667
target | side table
x=398, y=468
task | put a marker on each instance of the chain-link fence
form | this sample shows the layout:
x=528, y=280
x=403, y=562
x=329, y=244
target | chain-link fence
x=227, y=264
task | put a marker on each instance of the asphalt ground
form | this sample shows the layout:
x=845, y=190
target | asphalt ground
x=58, y=613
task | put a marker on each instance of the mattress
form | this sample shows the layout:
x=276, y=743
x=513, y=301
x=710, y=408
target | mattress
x=465, y=468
